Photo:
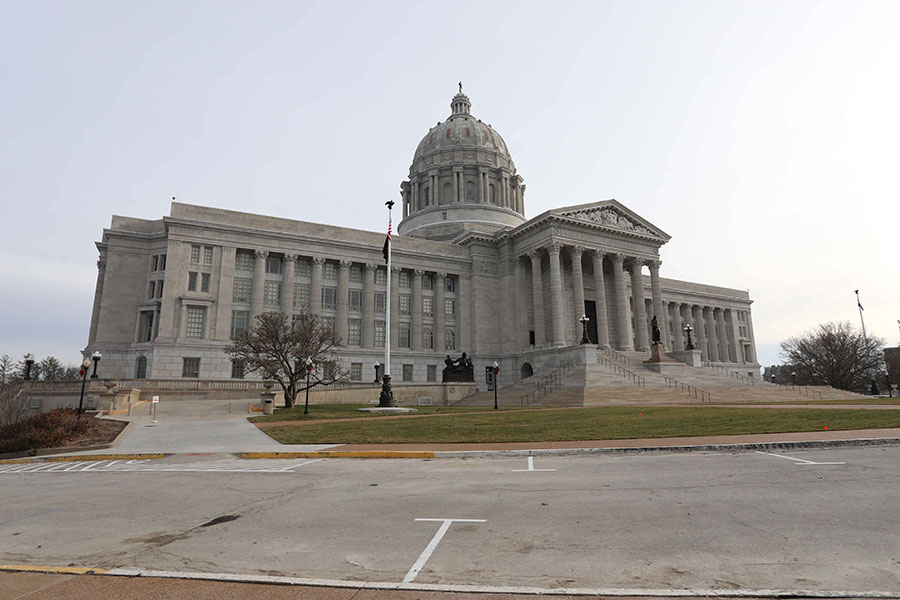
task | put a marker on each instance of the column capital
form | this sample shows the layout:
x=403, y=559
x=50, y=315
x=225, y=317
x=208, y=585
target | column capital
x=418, y=272
x=371, y=266
x=617, y=257
x=441, y=275
x=229, y=249
x=576, y=251
x=535, y=255
x=396, y=269
x=101, y=264
x=635, y=263
x=554, y=247
x=595, y=253
x=292, y=258
x=318, y=260
x=345, y=264
x=653, y=263
x=262, y=253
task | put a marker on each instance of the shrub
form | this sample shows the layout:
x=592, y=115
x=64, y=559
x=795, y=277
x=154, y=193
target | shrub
x=49, y=430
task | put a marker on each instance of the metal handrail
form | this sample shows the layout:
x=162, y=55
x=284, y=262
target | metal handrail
x=547, y=383
x=682, y=387
x=618, y=355
x=800, y=389
x=620, y=370
x=733, y=374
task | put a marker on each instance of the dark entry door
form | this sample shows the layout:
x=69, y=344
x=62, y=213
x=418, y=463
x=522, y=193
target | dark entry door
x=590, y=309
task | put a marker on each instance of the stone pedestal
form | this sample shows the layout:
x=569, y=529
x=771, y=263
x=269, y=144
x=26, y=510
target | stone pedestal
x=660, y=362
x=688, y=357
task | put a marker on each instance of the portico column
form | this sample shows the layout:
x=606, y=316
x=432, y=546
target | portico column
x=521, y=299
x=343, y=301
x=700, y=332
x=417, y=309
x=712, y=338
x=600, y=300
x=440, y=326
x=315, y=286
x=735, y=345
x=622, y=324
x=259, y=282
x=637, y=298
x=578, y=287
x=656, y=295
x=556, y=295
x=678, y=326
x=723, y=336
x=537, y=297
x=395, y=306
x=368, y=328
x=287, y=285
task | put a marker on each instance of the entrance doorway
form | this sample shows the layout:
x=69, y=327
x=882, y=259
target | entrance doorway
x=526, y=371
x=590, y=310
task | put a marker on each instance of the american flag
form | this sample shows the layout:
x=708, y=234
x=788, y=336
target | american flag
x=387, y=244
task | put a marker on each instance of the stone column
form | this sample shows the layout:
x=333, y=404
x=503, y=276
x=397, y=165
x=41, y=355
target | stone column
x=341, y=325
x=440, y=324
x=259, y=282
x=735, y=345
x=678, y=326
x=521, y=296
x=622, y=323
x=315, y=286
x=556, y=295
x=415, y=198
x=752, y=336
x=578, y=287
x=287, y=285
x=656, y=294
x=368, y=324
x=711, y=338
x=699, y=333
x=637, y=298
x=600, y=300
x=395, y=307
x=224, y=294
x=417, y=309
x=723, y=336
x=537, y=291
x=454, y=179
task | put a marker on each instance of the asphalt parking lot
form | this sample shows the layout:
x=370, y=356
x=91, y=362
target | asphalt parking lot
x=818, y=520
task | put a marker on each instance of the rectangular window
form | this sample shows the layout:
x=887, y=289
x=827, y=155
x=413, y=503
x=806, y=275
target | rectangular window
x=330, y=271
x=272, y=294
x=380, y=302
x=237, y=369
x=273, y=265
x=427, y=282
x=404, y=279
x=207, y=255
x=354, y=327
x=145, y=333
x=431, y=373
x=243, y=287
x=190, y=367
x=450, y=284
x=356, y=274
x=405, y=301
x=302, y=268
x=195, y=320
x=301, y=296
x=449, y=308
x=380, y=276
x=329, y=298
x=151, y=291
x=404, y=335
x=243, y=261
x=159, y=288
x=356, y=300
x=328, y=371
x=379, y=334
x=162, y=262
x=154, y=263
x=355, y=371
x=428, y=306
x=407, y=372
x=204, y=282
x=195, y=254
x=192, y=282
x=240, y=320
x=330, y=322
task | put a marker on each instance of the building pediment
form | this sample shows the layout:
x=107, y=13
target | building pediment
x=612, y=215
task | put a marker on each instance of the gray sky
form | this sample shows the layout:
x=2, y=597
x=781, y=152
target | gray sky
x=762, y=136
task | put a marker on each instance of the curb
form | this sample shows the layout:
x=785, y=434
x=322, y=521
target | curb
x=338, y=454
x=86, y=458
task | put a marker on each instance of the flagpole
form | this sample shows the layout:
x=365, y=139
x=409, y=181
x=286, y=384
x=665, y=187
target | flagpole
x=387, y=395
x=861, y=320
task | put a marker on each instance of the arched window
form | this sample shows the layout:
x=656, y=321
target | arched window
x=470, y=191
x=450, y=340
x=427, y=197
x=428, y=339
x=492, y=191
x=447, y=193
x=140, y=368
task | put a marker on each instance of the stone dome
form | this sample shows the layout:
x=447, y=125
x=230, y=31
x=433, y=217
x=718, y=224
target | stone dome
x=462, y=177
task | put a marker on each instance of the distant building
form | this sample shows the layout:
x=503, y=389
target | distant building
x=471, y=273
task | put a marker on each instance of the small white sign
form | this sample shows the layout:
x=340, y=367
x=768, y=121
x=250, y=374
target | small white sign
x=155, y=399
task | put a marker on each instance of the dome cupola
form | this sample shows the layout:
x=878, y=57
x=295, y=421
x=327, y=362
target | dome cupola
x=462, y=177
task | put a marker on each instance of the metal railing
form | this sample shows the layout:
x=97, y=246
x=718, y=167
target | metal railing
x=548, y=383
x=801, y=389
x=193, y=384
x=733, y=374
x=620, y=370
x=617, y=355
x=684, y=388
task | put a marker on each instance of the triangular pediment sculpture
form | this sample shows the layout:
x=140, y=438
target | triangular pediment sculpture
x=612, y=214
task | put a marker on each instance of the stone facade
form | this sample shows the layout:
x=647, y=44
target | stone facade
x=470, y=273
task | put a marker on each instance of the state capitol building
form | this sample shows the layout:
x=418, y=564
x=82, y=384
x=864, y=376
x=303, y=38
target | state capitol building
x=470, y=273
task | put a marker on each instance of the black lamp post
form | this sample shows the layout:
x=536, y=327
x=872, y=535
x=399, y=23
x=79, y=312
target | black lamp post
x=29, y=362
x=496, y=374
x=793, y=377
x=773, y=378
x=584, y=337
x=85, y=366
x=887, y=380
x=309, y=364
x=690, y=343
x=96, y=358
x=377, y=366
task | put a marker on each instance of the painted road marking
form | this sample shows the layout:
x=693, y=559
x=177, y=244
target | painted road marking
x=799, y=461
x=429, y=549
x=530, y=467
x=148, y=466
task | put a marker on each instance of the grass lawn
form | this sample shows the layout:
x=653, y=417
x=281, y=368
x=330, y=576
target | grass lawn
x=859, y=401
x=615, y=422
x=349, y=411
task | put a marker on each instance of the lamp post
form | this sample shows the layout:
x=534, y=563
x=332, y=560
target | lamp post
x=377, y=366
x=309, y=364
x=496, y=374
x=29, y=362
x=793, y=377
x=96, y=358
x=773, y=378
x=584, y=337
x=85, y=366
x=690, y=343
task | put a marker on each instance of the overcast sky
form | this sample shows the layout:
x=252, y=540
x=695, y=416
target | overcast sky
x=762, y=136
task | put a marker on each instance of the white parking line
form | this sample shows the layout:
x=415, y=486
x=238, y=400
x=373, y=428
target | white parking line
x=799, y=461
x=152, y=466
x=530, y=467
x=429, y=549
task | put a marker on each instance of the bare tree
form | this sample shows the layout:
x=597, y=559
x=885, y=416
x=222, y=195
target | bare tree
x=278, y=348
x=835, y=354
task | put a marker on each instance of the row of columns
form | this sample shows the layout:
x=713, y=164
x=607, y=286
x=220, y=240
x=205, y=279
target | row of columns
x=509, y=191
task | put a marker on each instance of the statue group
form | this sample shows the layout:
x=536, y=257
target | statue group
x=460, y=370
